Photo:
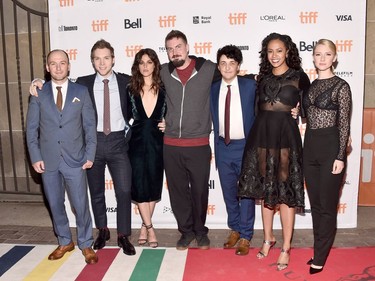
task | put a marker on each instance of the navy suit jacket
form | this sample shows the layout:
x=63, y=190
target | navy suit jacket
x=70, y=133
x=247, y=89
x=122, y=81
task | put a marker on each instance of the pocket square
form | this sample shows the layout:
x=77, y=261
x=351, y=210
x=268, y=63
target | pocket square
x=76, y=99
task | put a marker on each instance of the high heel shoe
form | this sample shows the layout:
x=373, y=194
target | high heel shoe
x=282, y=266
x=262, y=255
x=310, y=261
x=152, y=244
x=142, y=241
x=314, y=270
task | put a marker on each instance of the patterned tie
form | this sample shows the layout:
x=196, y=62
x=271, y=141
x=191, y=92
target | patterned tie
x=106, y=113
x=227, y=117
x=59, y=98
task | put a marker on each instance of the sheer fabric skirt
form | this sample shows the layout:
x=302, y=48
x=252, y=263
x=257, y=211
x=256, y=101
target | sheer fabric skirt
x=272, y=161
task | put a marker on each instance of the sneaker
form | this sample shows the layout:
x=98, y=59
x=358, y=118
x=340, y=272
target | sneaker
x=184, y=242
x=203, y=242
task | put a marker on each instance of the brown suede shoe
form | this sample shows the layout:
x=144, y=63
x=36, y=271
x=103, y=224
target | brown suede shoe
x=233, y=238
x=90, y=256
x=243, y=247
x=61, y=251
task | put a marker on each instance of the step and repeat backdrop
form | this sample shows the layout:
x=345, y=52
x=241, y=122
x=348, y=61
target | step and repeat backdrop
x=129, y=25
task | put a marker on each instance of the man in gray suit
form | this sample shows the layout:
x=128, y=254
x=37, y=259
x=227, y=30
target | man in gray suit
x=61, y=137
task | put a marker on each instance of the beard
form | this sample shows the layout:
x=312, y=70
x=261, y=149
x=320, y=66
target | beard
x=178, y=63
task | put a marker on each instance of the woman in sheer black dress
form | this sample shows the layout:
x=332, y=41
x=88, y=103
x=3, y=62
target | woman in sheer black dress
x=328, y=109
x=272, y=161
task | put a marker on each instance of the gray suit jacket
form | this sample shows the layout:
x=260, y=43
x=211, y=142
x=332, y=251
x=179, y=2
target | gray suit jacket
x=70, y=133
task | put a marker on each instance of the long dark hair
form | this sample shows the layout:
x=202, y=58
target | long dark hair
x=293, y=59
x=137, y=82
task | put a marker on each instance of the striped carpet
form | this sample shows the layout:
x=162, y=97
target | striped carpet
x=28, y=262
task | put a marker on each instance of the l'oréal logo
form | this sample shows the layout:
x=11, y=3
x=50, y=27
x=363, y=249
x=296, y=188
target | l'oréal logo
x=272, y=18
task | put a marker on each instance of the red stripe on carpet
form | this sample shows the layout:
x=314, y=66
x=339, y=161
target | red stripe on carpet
x=96, y=272
x=222, y=265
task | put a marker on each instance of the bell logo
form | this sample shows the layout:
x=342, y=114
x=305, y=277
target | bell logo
x=311, y=73
x=237, y=18
x=129, y=24
x=99, y=25
x=203, y=48
x=66, y=3
x=167, y=21
x=72, y=53
x=344, y=45
x=308, y=17
x=131, y=51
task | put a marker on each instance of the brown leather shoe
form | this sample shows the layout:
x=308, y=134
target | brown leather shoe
x=90, y=256
x=233, y=238
x=61, y=251
x=243, y=247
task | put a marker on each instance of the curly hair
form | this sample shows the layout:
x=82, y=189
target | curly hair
x=293, y=59
x=136, y=81
x=230, y=51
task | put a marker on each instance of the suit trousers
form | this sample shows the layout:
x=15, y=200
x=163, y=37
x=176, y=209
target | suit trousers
x=323, y=187
x=111, y=151
x=73, y=180
x=187, y=170
x=241, y=211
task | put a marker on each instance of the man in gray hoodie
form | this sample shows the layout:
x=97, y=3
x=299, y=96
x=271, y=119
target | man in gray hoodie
x=187, y=153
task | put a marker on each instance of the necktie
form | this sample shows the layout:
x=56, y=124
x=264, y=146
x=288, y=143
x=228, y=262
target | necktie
x=59, y=98
x=106, y=113
x=227, y=117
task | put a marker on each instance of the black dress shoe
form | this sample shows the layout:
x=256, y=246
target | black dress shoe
x=103, y=236
x=315, y=270
x=310, y=261
x=127, y=247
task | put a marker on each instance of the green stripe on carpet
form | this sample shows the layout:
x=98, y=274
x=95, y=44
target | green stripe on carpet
x=148, y=265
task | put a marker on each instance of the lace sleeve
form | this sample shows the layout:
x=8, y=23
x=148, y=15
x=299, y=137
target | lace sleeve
x=344, y=99
x=304, y=85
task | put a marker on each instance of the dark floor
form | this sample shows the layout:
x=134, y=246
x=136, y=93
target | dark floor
x=29, y=223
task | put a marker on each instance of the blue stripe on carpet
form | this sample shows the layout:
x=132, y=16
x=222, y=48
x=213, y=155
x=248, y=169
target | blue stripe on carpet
x=12, y=257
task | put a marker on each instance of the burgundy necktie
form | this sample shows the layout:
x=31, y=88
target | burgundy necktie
x=227, y=117
x=59, y=98
x=106, y=113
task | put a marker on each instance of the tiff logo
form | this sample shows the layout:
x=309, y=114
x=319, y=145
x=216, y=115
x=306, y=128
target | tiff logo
x=367, y=155
x=72, y=53
x=167, y=21
x=66, y=3
x=211, y=209
x=308, y=17
x=108, y=185
x=203, y=48
x=237, y=18
x=132, y=50
x=99, y=25
x=344, y=45
x=311, y=72
x=341, y=208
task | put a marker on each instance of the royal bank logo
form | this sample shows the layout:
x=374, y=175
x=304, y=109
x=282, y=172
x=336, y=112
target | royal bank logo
x=308, y=17
x=167, y=21
x=99, y=25
x=66, y=3
x=244, y=47
x=237, y=18
x=202, y=19
x=272, y=18
x=132, y=50
x=132, y=24
x=344, y=17
x=63, y=28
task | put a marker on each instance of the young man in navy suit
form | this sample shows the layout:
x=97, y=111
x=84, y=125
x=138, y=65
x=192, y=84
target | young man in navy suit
x=61, y=137
x=230, y=142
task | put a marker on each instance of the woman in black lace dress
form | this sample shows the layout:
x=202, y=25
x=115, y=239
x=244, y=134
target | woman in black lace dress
x=272, y=161
x=147, y=102
x=328, y=109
